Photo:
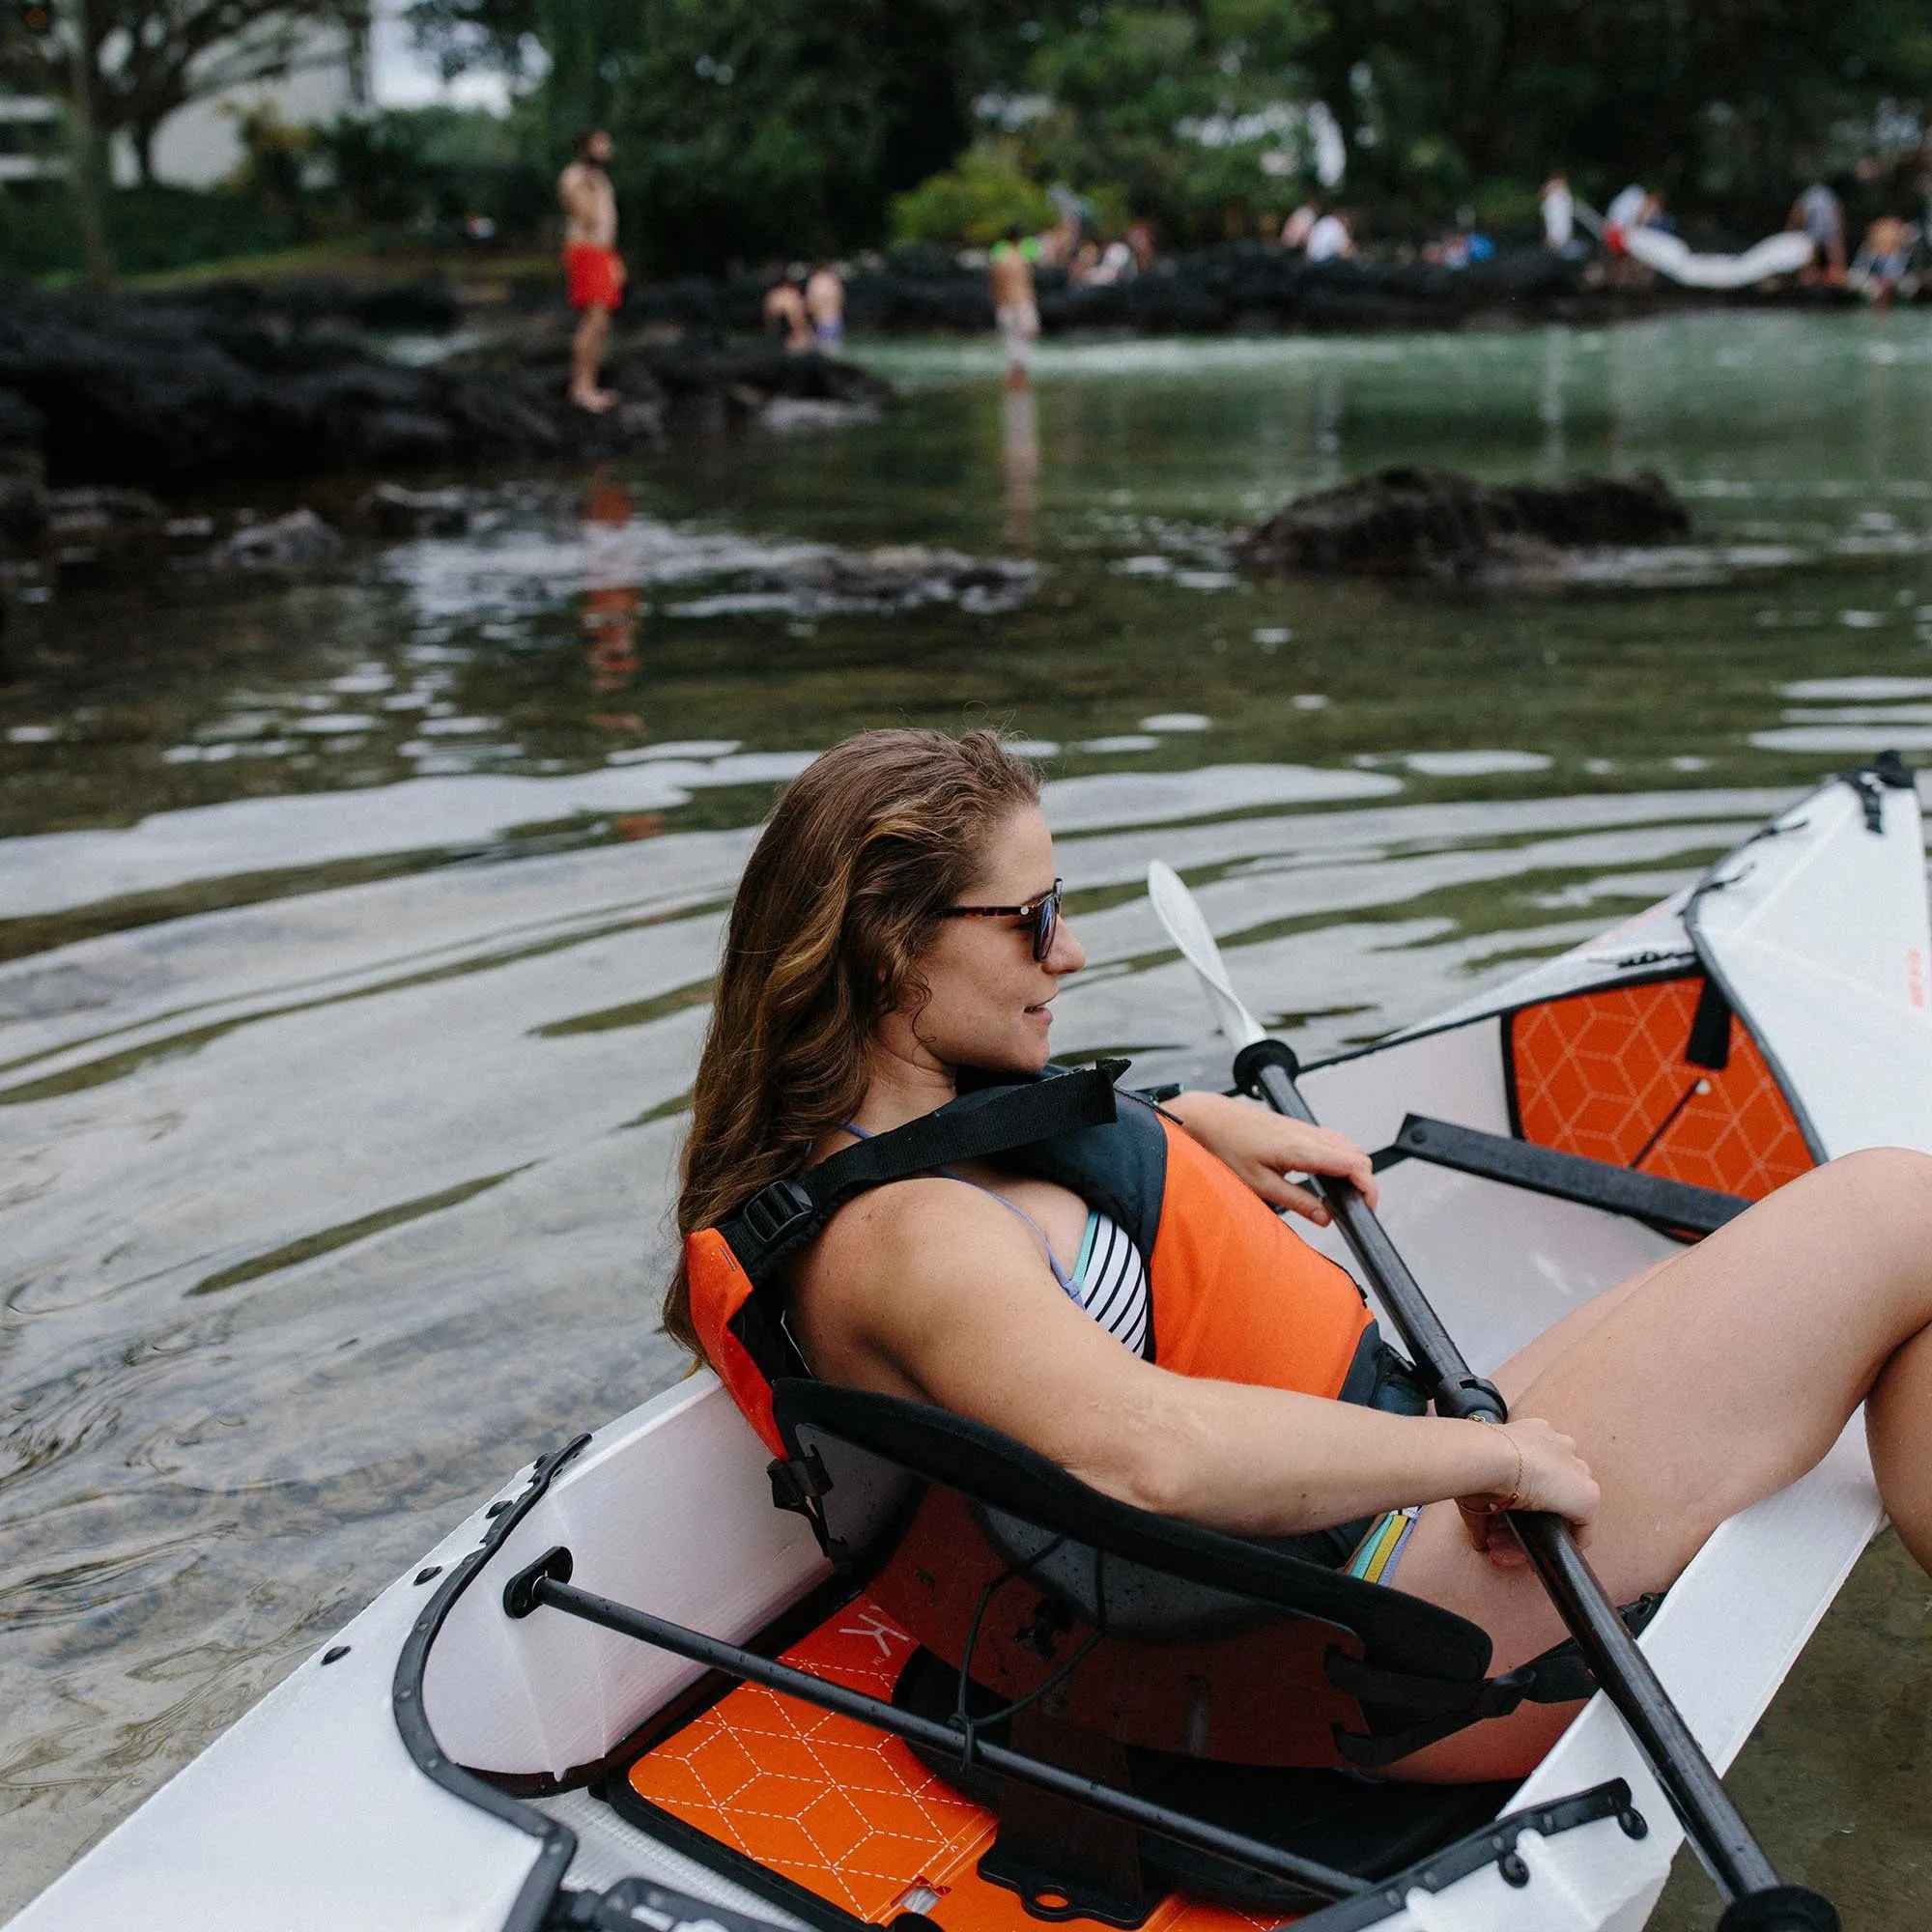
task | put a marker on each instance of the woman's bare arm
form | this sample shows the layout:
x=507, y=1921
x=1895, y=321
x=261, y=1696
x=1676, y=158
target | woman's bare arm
x=931, y=1289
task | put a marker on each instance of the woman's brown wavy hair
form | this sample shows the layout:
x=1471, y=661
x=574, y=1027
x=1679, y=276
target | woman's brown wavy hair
x=831, y=919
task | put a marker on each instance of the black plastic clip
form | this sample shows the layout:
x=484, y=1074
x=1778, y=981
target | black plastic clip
x=775, y=1211
x=636, y=1905
x=1471, y=1396
x=520, y=1593
x=1260, y=1053
x=797, y=1482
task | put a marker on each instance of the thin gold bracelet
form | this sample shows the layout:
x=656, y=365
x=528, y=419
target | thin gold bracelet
x=1514, y=1500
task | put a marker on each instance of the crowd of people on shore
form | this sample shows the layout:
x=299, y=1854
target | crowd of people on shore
x=1890, y=261
x=804, y=303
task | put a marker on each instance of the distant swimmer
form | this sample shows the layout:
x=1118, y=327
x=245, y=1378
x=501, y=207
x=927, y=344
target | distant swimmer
x=825, y=305
x=1015, y=312
x=593, y=269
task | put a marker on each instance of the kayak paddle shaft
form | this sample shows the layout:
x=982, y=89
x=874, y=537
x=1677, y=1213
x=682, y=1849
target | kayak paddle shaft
x=1759, y=1902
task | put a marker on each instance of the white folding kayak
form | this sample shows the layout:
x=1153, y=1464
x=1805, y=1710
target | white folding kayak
x=630, y=1692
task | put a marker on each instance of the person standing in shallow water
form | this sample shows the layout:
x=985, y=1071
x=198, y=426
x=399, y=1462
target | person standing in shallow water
x=593, y=271
x=1016, y=313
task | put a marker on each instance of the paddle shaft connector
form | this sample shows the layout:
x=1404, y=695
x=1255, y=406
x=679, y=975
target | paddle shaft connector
x=1784, y=1908
x=1269, y=1068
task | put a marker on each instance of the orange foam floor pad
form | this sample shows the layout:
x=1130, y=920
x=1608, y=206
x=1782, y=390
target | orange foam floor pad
x=1603, y=1075
x=846, y=1811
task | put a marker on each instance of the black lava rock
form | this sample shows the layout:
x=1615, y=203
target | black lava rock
x=147, y=395
x=1424, y=522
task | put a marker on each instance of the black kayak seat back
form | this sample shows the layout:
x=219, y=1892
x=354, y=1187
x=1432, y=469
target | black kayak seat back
x=1155, y=1632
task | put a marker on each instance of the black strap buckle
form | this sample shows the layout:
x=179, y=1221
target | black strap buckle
x=777, y=1211
x=797, y=1482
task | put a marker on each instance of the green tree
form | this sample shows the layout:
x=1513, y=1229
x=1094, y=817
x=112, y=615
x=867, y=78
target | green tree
x=1195, y=114
x=750, y=128
x=148, y=58
x=977, y=200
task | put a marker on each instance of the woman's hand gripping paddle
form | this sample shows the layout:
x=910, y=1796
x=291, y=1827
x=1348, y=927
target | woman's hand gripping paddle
x=1758, y=1901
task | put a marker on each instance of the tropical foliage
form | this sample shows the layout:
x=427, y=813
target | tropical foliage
x=985, y=194
x=146, y=58
x=747, y=127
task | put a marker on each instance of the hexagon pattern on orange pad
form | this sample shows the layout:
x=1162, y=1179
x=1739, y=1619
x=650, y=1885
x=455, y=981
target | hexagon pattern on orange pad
x=1599, y=1074
x=841, y=1809
x=844, y=1810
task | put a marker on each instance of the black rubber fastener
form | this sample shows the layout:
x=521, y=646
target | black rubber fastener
x=520, y=1593
x=1783, y=1908
x=1260, y=1053
x=1515, y=1872
x=432, y=1570
x=1633, y=1824
x=497, y=1509
x=333, y=1652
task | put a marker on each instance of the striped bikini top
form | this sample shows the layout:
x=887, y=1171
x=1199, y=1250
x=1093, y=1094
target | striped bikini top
x=1109, y=1276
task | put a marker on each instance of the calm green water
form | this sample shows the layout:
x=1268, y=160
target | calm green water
x=358, y=929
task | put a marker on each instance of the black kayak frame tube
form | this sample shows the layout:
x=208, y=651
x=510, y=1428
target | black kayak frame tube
x=546, y=1585
x=1357, y=1903
x=1758, y=1901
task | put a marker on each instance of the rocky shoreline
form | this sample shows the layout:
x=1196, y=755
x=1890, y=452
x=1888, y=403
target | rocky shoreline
x=1241, y=288
x=166, y=396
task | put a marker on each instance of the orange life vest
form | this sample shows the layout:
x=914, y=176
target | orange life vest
x=1235, y=1294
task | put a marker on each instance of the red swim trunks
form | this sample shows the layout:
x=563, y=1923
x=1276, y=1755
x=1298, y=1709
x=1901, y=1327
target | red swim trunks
x=594, y=276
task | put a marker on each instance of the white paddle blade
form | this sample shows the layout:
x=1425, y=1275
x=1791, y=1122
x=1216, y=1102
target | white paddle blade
x=1178, y=910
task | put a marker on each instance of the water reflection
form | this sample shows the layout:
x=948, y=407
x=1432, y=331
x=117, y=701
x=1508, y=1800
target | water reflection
x=1019, y=464
x=1550, y=405
x=610, y=617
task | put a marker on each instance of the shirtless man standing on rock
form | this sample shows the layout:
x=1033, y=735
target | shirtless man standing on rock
x=593, y=269
x=1016, y=313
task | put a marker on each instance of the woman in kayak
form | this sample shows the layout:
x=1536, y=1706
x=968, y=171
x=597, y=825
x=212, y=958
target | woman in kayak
x=899, y=923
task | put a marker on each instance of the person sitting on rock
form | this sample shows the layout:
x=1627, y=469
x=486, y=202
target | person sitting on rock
x=1819, y=213
x=1882, y=262
x=785, y=312
x=1300, y=226
x=1330, y=239
x=825, y=305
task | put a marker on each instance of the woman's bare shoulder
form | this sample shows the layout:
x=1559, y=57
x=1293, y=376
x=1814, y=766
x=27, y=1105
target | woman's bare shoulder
x=900, y=1228
x=885, y=1259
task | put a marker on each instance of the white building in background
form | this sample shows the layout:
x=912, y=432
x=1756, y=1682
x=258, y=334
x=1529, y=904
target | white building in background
x=33, y=140
x=199, y=146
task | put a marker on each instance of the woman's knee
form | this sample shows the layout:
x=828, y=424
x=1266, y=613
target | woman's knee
x=1889, y=1188
x=1879, y=1203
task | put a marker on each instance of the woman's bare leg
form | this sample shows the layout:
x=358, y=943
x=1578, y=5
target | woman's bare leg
x=1706, y=1383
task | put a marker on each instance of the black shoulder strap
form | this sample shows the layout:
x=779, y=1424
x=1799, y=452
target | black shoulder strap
x=780, y=1217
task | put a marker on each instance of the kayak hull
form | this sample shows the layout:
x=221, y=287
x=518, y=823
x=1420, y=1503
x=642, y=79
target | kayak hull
x=328, y=1805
